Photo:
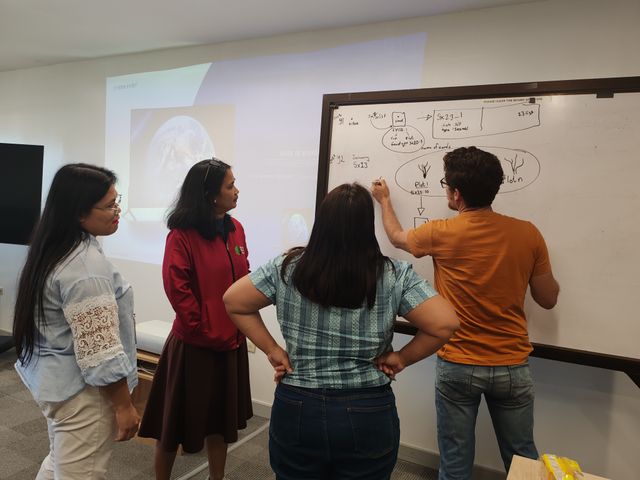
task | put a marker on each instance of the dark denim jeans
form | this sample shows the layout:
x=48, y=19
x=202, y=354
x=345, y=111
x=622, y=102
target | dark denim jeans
x=509, y=394
x=333, y=434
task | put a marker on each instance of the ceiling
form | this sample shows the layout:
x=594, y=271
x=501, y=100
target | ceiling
x=45, y=32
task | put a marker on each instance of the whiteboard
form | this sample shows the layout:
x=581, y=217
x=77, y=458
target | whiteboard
x=572, y=167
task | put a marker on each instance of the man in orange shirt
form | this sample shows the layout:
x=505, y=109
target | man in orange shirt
x=483, y=263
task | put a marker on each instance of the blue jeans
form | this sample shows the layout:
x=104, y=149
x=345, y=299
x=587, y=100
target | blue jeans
x=333, y=434
x=509, y=394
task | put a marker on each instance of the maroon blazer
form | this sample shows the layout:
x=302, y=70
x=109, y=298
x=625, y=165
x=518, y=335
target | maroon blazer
x=196, y=272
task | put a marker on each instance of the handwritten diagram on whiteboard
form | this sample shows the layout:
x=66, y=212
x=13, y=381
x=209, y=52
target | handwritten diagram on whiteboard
x=570, y=166
x=418, y=138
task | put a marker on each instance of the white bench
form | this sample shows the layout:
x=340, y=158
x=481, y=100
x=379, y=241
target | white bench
x=151, y=335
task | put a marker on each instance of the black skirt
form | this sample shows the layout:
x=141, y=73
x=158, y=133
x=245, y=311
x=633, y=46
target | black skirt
x=197, y=392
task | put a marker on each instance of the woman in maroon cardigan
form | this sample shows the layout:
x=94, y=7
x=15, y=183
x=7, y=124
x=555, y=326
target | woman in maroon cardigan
x=200, y=393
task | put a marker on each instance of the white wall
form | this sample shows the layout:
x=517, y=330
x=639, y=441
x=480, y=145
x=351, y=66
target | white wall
x=589, y=414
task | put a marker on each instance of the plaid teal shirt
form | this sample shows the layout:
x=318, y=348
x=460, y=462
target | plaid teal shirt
x=334, y=347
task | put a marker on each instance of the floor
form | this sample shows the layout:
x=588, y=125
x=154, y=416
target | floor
x=24, y=443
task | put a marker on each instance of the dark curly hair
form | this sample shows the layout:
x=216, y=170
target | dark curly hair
x=477, y=174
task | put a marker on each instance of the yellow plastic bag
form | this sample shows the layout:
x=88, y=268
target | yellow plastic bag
x=561, y=468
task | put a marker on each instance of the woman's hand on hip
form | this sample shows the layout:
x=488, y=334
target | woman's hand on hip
x=279, y=359
x=390, y=363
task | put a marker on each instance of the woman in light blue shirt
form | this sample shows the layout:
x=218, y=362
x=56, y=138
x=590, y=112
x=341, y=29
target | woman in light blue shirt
x=334, y=414
x=74, y=327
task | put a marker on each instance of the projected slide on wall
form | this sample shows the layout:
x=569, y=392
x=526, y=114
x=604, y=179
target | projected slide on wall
x=259, y=114
x=165, y=143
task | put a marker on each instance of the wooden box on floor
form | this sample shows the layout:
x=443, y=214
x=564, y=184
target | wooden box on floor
x=528, y=469
x=147, y=363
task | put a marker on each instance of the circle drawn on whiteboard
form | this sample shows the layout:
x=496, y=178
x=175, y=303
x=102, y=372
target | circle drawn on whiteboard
x=421, y=175
x=401, y=137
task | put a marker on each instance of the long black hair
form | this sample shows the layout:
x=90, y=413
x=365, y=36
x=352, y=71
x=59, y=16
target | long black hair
x=342, y=262
x=194, y=205
x=75, y=189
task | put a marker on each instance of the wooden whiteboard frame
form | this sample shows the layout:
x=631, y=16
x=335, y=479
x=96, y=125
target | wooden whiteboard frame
x=601, y=87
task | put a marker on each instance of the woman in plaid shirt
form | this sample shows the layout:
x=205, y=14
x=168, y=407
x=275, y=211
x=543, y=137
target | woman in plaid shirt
x=334, y=414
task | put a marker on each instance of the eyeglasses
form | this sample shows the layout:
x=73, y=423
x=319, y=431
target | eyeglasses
x=210, y=164
x=112, y=208
x=443, y=184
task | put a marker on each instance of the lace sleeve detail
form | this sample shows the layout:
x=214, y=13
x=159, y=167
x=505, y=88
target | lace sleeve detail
x=95, y=329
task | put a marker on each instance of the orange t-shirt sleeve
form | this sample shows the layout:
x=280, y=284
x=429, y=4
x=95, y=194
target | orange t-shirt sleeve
x=419, y=240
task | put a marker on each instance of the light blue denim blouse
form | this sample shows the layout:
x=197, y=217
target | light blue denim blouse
x=89, y=336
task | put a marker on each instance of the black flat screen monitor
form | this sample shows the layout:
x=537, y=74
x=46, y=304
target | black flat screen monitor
x=20, y=191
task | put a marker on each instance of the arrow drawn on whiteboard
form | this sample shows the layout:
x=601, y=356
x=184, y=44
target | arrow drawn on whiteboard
x=420, y=208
